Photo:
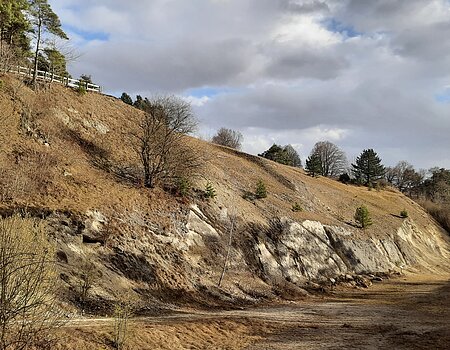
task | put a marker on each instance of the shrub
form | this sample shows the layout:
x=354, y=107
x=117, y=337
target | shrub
x=123, y=311
x=28, y=285
x=228, y=137
x=362, y=216
x=249, y=196
x=344, y=178
x=404, y=213
x=210, y=192
x=296, y=207
x=261, y=191
x=440, y=212
x=183, y=187
x=81, y=88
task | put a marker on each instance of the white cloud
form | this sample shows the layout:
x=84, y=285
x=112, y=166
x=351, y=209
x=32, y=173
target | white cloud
x=283, y=72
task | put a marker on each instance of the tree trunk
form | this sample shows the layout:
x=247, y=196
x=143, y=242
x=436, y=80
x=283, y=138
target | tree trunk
x=36, y=54
x=232, y=219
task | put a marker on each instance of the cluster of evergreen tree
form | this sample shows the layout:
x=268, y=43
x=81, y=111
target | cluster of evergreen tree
x=23, y=22
x=283, y=154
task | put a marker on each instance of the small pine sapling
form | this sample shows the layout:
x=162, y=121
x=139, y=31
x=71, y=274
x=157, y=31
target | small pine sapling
x=404, y=214
x=362, y=216
x=261, y=191
x=296, y=207
x=210, y=191
x=183, y=187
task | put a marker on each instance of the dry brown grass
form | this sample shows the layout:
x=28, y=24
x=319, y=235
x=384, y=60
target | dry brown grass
x=439, y=211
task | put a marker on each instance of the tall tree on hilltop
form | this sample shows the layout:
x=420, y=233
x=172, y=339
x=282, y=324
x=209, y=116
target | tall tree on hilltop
x=314, y=165
x=228, y=137
x=332, y=158
x=126, y=99
x=293, y=156
x=368, y=168
x=282, y=154
x=43, y=19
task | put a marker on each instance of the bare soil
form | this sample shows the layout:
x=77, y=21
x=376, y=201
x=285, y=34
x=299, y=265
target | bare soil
x=405, y=313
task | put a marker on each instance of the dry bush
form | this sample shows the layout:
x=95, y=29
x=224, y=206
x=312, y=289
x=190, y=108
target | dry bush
x=9, y=57
x=87, y=278
x=123, y=312
x=228, y=137
x=35, y=108
x=28, y=284
x=440, y=212
x=15, y=88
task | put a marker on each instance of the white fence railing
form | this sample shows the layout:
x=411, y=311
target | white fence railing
x=53, y=78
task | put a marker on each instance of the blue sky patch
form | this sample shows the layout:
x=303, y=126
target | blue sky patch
x=443, y=96
x=333, y=25
x=87, y=35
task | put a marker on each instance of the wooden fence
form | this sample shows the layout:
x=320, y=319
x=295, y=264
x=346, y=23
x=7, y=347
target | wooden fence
x=53, y=78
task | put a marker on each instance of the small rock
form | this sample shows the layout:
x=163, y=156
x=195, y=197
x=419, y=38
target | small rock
x=349, y=277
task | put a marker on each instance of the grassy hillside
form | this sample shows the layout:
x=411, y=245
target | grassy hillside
x=71, y=163
x=82, y=131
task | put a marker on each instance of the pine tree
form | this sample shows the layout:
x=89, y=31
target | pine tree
x=362, y=216
x=277, y=154
x=56, y=62
x=282, y=154
x=261, y=191
x=368, y=168
x=313, y=165
x=210, y=192
x=126, y=99
x=43, y=19
x=14, y=26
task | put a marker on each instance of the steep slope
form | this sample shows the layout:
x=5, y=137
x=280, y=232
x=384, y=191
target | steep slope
x=70, y=163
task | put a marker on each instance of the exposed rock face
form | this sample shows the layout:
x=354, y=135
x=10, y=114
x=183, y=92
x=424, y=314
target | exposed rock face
x=93, y=225
x=277, y=258
x=310, y=251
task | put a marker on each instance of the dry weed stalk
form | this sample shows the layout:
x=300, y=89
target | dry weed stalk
x=28, y=310
x=231, y=228
x=123, y=311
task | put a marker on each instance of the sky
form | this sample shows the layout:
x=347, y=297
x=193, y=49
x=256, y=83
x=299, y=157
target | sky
x=359, y=73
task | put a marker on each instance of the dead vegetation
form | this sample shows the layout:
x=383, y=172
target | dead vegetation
x=28, y=285
x=439, y=211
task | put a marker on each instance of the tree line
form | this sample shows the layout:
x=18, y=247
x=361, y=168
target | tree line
x=327, y=159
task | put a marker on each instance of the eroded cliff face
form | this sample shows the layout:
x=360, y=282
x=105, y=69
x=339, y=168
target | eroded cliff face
x=310, y=250
x=184, y=264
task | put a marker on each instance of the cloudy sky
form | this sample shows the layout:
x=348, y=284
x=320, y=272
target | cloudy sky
x=359, y=73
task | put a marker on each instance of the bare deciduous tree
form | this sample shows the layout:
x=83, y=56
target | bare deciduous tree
x=27, y=284
x=88, y=276
x=164, y=151
x=332, y=158
x=9, y=58
x=404, y=176
x=228, y=137
x=123, y=311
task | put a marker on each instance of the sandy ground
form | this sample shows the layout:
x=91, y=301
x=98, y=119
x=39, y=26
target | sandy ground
x=403, y=313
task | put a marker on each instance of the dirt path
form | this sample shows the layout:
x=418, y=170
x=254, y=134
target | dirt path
x=412, y=313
